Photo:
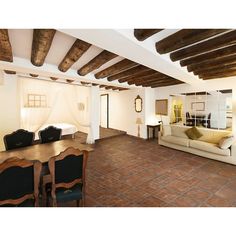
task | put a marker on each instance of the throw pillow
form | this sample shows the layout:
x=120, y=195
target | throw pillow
x=226, y=142
x=193, y=133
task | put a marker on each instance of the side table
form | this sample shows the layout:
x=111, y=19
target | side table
x=153, y=127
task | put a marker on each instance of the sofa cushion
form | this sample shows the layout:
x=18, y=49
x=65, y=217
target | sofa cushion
x=179, y=131
x=176, y=140
x=193, y=133
x=213, y=136
x=226, y=142
x=209, y=147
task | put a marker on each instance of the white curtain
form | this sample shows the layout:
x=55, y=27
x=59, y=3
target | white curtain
x=80, y=117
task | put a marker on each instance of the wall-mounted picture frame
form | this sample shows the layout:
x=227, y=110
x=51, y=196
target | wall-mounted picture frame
x=198, y=106
x=161, y=107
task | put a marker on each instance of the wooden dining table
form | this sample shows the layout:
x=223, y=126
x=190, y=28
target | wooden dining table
x=43, y=152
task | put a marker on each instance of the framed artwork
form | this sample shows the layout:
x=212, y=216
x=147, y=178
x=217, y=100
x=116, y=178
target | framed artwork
x=162, y=107
x=198, y=106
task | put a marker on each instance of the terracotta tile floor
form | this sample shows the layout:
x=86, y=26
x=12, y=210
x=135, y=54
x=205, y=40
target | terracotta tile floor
x=124, y=171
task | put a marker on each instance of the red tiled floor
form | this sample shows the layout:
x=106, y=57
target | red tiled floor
x=127, y=171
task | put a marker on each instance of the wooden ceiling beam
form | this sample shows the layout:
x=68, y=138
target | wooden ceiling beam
x=5, y=46
x=102, y=86
x=76, y=51
x=226, y=39
x=164, y=85
x=42, y=40
x=215, y=68
x=116, y=68
x=163, y=79
x=133, y=71
x=53, y=78
x=33, y=75
x=143, y=79
x=218, y=74
x=227, y=51
x=214, y=62
x=10, y=72
x=142, y=34
x=123, y=89
x=148, y=83
x=142, y=74
x=185, y=38
x=109, y=87
x=69, y=81
x=84, y=83
x=96, y=62
x=161, y=84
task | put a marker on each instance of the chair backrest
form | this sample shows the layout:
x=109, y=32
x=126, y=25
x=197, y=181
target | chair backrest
x=18, y=139
x=19, y=181
x=187, y=115
x=209, y=116
x=50, y=134
x=68, y=169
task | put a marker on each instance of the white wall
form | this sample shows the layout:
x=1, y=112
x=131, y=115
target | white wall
x=207, y=85
x=9, y=107
x=122, y=114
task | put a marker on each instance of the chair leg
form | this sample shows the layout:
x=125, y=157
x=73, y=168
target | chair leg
x=78, y=203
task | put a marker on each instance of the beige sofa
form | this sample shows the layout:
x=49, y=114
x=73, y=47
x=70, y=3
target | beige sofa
x=174, y=136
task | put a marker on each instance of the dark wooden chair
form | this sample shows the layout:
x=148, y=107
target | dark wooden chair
x=19, y=182
x=189, y=120
x=207, y=123
x=67, y=171
x=18, y=139
x=50, y=134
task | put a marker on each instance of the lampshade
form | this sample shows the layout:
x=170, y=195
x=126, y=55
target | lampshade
x=139, y=121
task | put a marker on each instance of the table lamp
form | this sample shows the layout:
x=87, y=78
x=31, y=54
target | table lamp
x=139, y=122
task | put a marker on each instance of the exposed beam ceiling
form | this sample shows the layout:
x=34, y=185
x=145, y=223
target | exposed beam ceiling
x=10, y=72
x=76, y=51
x=133, y=71
x=213, y=63
x=185, y=38
x=24, y=66
x=42, y=40
x=141, y=74
x=148, y=58
x=5, y=46
x=142, y=34
x=96, y=62
x=211, y=44
x=220, y=53
x=116, y=68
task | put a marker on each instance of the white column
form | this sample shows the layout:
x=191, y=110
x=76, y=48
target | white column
x=95, y=111
x=150, y=116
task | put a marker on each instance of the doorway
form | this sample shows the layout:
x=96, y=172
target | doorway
x=104, y=110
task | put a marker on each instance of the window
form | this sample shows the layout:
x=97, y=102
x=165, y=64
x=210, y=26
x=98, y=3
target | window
x=37, y=100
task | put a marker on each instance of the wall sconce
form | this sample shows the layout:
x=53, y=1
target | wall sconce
x=81, y=106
